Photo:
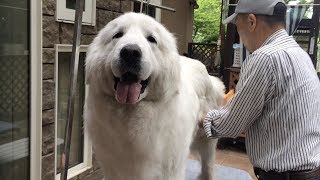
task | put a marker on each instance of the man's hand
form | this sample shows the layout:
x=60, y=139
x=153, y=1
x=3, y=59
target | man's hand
x=203, y=115
x=201, y=119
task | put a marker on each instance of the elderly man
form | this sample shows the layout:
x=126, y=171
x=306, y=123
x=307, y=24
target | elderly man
x=277, y=99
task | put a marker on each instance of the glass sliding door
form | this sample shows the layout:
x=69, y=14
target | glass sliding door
x=14, y=90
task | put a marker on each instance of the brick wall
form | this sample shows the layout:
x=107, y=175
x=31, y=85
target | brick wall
x=61, y=33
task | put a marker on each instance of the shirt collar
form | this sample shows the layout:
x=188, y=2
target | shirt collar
x=275, y=35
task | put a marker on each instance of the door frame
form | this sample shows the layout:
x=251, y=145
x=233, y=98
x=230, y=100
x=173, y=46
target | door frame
x=35, y=89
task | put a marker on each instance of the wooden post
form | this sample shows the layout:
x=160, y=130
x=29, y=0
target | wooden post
x=227, y=49
x=222, y=36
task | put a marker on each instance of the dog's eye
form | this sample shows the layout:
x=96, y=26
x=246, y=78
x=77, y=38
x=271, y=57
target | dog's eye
x=118, y=35
x=152, y=39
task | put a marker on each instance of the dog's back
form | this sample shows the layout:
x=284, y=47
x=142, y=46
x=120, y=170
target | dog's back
x=210, y=92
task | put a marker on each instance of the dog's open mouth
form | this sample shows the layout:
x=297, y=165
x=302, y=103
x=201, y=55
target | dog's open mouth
x=129, y=87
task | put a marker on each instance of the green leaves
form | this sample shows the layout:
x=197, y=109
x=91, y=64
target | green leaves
x=207, y=21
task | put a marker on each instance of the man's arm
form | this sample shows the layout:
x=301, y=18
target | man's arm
x=255, y=87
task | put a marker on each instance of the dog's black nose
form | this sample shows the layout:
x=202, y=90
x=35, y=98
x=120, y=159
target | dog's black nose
x=131, y=54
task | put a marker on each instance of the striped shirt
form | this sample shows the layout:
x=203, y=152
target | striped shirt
x=277, y=105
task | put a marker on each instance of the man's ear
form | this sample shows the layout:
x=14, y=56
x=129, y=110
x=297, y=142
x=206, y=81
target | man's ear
x=252, y=22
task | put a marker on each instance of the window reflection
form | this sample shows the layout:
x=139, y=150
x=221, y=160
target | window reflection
x=14, y=90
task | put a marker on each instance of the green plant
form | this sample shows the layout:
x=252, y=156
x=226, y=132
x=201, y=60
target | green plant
x=207, y=21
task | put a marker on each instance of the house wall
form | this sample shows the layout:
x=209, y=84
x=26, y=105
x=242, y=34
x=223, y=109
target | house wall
x=180, y=22
x=61, y=33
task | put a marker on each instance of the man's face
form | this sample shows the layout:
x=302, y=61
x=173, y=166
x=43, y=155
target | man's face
x=243, y=27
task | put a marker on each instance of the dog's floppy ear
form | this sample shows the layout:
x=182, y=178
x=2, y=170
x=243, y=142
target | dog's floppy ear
x=91, y=55
x=90, y=68
x=88, y=77
x=93, y=58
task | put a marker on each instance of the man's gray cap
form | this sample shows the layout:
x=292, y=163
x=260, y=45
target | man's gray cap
x=262, y=7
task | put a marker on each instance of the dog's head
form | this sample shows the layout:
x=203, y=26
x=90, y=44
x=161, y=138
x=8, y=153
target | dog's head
x=131, y=58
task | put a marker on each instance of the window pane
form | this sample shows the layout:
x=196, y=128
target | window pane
x=71, y=4
x=14, y=90
x=151, y=11
x=77, y=140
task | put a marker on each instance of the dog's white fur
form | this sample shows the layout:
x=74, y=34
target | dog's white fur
x=151, y=139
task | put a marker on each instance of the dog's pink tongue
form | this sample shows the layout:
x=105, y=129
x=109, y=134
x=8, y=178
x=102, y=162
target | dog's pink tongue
x=128, y=93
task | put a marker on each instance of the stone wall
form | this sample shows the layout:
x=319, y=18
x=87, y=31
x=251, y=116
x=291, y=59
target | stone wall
x=61, y=33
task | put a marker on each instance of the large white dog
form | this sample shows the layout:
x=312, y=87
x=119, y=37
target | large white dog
x=144, y=101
